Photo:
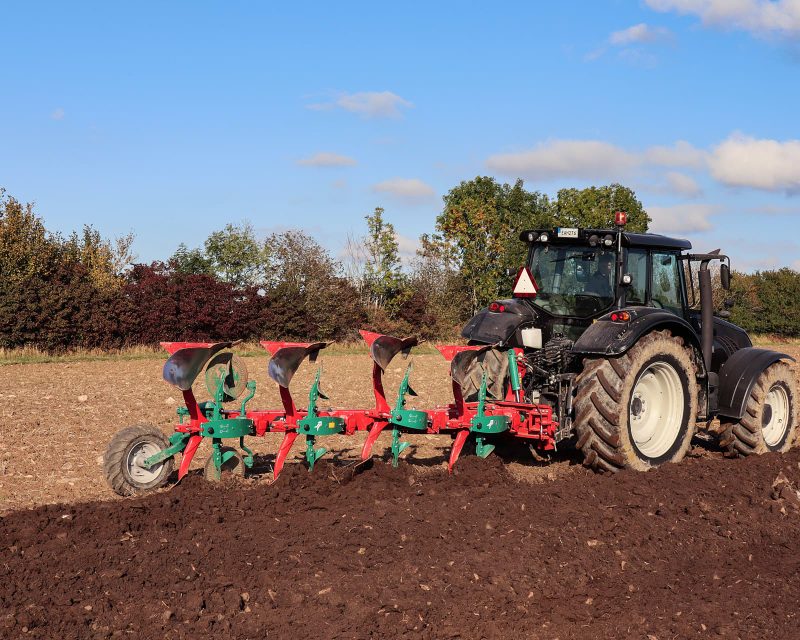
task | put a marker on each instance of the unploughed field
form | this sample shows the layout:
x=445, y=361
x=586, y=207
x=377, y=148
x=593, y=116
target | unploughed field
x=503, y=548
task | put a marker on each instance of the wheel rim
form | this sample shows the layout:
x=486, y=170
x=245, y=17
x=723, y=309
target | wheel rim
x=656, y=410
x=140, y=452
x=775, y=415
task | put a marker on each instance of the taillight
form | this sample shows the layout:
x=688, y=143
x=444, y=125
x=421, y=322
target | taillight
x=620, y=316
x=497, y=307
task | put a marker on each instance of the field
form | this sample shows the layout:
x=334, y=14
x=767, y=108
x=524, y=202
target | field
x=503, y=548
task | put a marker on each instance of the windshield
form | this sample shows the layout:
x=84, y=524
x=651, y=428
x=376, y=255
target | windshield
x=573, y=280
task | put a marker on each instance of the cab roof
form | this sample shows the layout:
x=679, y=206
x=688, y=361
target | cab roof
x=629, y=239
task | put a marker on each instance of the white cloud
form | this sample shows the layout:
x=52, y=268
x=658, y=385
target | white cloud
x=757, y=16
x=738, y=161
x=681, y=154
x=368, y=104
x=681, y=184
x=587, y=159
x=327, y=159
x=640, y=34
x=406, y=247
x=685, y=218
x=405, y=188
x=58, y=114
x=769, y=165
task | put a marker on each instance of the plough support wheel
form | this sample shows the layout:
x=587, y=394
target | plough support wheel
x=124, y=460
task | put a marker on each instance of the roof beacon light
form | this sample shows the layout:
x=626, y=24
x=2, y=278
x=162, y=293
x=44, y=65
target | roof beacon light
x=620, y=218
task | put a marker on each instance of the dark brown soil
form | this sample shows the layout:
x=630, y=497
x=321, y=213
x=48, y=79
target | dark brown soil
x=703, y=548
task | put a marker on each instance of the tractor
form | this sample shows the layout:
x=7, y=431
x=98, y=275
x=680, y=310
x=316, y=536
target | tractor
x=616, y=339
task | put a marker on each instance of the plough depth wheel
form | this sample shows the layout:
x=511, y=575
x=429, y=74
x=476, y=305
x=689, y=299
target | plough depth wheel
x=123, y=462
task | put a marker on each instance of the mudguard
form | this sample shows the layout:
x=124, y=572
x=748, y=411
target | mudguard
x=738, y=375
x=493, y=327
x=607, y=338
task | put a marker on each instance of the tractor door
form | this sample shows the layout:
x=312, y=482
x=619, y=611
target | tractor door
x=656, y=280
x=666, y=283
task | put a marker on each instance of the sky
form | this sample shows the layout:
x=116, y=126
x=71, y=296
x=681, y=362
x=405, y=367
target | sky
x=173, y=119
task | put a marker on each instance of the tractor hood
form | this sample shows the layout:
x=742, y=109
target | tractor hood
x=499, y=322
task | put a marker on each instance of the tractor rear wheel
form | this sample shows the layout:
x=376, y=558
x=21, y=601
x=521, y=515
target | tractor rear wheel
x=124, y=457
x=770, y=418
x=495, y=363
x=638, y=410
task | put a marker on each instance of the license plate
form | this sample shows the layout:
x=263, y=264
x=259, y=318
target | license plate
x=566, y=232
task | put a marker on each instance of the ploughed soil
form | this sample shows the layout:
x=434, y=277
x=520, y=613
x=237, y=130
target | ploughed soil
x=708, y=547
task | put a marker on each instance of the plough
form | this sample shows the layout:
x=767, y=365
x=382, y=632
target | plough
x=141, y=458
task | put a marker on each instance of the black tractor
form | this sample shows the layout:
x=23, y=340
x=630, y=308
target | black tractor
x=620, y=336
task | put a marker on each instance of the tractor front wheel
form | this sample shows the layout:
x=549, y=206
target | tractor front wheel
x=638, y=410
x=770, y=418
x=123, y=462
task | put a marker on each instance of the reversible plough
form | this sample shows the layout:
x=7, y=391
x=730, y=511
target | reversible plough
x=227, y=381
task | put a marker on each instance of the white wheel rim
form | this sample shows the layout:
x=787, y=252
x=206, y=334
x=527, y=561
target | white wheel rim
x=775, y=416
x=656, y=409
x=135, y=462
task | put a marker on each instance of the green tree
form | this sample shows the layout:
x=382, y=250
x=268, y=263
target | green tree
x=478, y=230
x=382, y=269
x=191, y=262
x=236, y=255
x=104, y=260
x=594, y=208
x=26, y=248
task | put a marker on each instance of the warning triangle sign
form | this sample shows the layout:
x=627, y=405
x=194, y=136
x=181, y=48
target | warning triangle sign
x=524, y=284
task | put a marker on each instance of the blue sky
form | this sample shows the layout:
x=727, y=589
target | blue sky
x=172, y=119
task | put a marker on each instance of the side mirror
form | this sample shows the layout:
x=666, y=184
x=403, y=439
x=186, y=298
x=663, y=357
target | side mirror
x=511, y=271
x=725, y=276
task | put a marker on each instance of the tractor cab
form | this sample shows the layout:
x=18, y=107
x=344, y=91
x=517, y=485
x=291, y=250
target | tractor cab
x=585, y=273
x=581, y=275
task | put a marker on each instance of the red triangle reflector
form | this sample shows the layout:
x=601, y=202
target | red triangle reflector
x=524, y=284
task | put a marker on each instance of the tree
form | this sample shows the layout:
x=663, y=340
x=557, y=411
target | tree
x=27, y=250
x=103, y=259
x=478, y=229
x=384, y=280
x=237, y=256
x=309, y=297
x=190, y=262
x=594, y=208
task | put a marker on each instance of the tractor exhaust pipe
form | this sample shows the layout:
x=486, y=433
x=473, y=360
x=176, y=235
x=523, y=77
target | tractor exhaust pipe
x=706, y=314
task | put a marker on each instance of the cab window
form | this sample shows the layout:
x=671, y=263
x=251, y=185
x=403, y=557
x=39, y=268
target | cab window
x=665, y=286
x=636, y=266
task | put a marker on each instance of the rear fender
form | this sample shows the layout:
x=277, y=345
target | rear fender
x=738, y=375
x=607, y=338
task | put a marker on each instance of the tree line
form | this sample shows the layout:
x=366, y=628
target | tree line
x=84, y=290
